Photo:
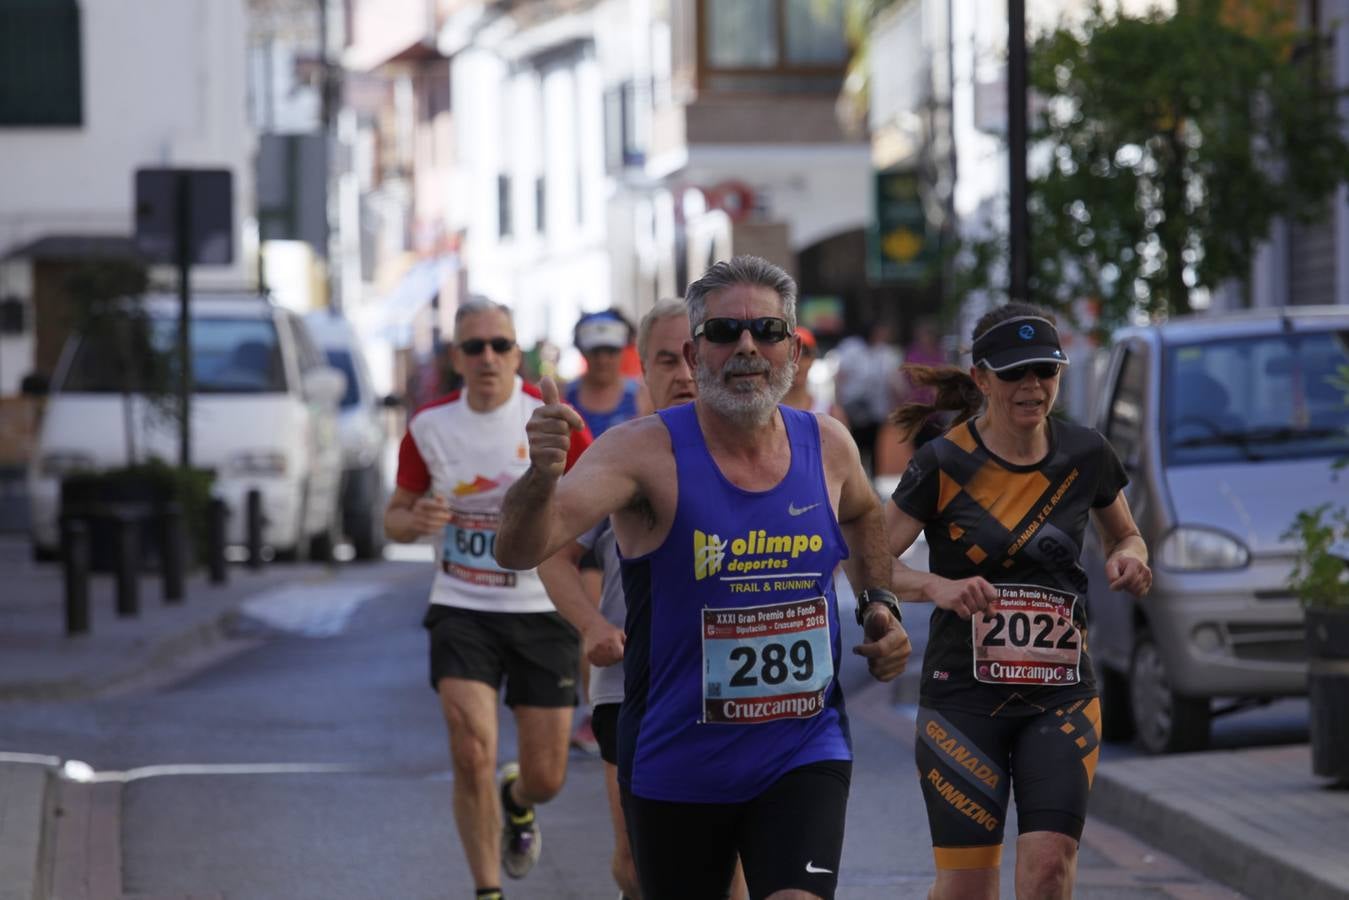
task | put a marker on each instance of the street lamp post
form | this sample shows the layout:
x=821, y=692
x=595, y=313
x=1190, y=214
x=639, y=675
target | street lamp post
x=1018, y=225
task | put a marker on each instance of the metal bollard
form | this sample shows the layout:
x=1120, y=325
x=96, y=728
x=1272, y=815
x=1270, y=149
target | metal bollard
x=253, y=527
x=75, y=568
x=128, y=564
x=171, y=554
x=216, y=511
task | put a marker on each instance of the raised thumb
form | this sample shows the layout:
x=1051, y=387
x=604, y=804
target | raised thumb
x=548, y=388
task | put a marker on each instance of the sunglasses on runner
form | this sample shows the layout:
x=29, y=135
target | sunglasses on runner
x=765, y=330
x=1043, y=371
x=475, y=346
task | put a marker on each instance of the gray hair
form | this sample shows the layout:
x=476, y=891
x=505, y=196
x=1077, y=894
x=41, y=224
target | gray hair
x=476, y=304
x=751, y=270
x=664, y=309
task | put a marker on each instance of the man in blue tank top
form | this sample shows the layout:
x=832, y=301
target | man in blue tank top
x=730, y=514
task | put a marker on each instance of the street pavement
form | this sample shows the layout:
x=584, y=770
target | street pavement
x=1254, y=818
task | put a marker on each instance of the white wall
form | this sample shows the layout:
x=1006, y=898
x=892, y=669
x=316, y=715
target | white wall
x=818, y=190
x=510, y=118
x=164, y=84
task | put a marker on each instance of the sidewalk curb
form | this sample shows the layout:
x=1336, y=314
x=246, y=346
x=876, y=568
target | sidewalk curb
x=159, y=655
x=1169, y=821
x=24, y=794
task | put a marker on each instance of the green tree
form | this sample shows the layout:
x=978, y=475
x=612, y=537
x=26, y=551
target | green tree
x=114, y=329
x=1170, y=143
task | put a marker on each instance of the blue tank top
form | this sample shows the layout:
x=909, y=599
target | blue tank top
x=600, y=422
x=732, y=630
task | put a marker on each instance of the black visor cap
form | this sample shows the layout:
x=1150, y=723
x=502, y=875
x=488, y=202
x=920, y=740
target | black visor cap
x=1015, y=342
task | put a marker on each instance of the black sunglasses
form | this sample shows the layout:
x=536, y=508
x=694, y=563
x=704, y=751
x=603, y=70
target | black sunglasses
x=475, y=346
x=1043, y=371
x=765, y=329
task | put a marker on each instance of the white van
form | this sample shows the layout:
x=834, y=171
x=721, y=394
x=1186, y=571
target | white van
x=362, y=432
x=264, y=416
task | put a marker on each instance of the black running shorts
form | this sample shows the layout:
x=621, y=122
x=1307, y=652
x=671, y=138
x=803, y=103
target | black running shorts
x=789, y=837
x=537, y=654
x=604, y=722
x=965, y=762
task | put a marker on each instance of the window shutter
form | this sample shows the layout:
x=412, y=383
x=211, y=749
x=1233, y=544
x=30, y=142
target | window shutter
x=40, y=70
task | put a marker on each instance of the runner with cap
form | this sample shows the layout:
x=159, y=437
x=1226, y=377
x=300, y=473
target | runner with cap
x=604, y=397
x=1008, y=698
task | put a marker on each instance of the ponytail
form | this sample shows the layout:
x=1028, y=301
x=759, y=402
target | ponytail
x=956, y=392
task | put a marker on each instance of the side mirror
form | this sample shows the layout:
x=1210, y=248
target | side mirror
x=325, y=385
x=391, y=401
x=35, y=384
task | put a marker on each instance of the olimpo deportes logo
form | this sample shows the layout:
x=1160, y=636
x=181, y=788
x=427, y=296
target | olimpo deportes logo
x=757, y=551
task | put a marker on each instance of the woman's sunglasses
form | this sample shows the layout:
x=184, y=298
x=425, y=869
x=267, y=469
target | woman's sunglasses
x=475, y=346
x=1043, y=371
x=765, y=330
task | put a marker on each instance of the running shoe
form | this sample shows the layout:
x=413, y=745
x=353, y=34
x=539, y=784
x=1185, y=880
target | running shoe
x=521, y=840
x=583, y=738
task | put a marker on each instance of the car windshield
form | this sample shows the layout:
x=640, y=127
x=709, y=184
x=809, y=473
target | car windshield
x=341, y=360
x=1278, y=396
x=229, y=356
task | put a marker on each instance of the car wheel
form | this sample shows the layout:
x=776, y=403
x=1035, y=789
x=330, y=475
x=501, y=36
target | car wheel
x=368, y=537
x=1165, y=721
x=323, y=546
x=297, y=552
x=1117, y=714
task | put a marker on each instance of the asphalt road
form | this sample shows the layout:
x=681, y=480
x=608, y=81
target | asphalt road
x=310, y=761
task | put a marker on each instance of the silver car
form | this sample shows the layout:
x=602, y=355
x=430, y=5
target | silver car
x=1228, y=425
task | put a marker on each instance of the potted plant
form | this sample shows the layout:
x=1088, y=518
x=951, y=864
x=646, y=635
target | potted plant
x=106, y=311
x=1321, y=580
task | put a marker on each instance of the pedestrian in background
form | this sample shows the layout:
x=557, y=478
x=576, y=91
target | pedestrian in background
x=487, y=624
x=799, y=395
x=867, y=385
x=917, y=420
x=712, y=763
x=1008, y=698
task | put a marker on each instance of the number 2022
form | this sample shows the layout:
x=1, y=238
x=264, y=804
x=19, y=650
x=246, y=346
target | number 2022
x=1018, y=626
x=773, y=665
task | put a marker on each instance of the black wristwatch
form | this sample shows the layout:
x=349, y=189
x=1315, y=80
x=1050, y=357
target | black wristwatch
x=877, y=595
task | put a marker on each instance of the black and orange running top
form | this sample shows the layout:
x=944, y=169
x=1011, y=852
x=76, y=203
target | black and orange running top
x=1013, y=525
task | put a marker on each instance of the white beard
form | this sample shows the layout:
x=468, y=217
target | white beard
x=746, y=401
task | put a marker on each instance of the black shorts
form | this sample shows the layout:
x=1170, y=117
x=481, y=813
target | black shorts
x=604, y=722
x=589, y=560
x=538, y=654
x=788, y=837
x=965, y=762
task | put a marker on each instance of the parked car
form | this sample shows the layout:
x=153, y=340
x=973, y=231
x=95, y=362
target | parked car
x=361, y=432
x=264, y=416
x=1228, y=425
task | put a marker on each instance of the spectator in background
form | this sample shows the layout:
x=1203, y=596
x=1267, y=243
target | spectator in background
x=540, y=362
x=799, y=396
x=867, y=386
x=924, y=349
x=902, y=435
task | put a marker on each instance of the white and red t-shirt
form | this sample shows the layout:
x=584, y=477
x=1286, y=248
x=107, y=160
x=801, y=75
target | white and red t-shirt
x=471, y=459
